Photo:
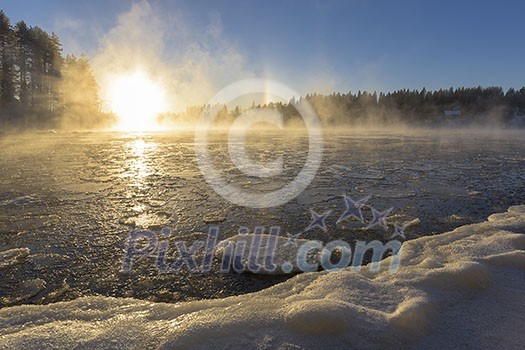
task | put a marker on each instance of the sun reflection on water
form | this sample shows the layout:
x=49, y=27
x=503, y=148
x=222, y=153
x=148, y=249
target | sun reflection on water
x=139, y=153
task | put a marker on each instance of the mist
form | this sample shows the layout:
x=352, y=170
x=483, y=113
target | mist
x=190, y=64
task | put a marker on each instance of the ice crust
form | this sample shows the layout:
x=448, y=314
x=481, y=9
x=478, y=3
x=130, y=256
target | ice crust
x=461, y=289
x=12, y=256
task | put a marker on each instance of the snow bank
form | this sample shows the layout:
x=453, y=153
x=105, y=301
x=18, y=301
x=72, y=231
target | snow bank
x=455, y=290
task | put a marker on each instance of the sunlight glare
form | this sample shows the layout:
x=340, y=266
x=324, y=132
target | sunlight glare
x=137, y=101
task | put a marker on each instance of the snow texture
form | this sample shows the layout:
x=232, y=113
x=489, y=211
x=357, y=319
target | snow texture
x=461, y=289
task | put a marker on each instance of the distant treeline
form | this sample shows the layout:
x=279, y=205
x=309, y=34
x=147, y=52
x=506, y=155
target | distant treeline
x=38, y=87
x=479, y=106
x=461, y=106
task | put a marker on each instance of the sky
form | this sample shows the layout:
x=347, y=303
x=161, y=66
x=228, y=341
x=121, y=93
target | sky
x=312, y=46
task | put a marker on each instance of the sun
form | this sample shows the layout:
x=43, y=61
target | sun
x=137, y=100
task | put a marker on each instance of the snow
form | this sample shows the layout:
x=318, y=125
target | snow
x=461, y=289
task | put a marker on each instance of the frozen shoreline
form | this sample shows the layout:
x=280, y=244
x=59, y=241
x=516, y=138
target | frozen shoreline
x=73, y=203
x=463, y=288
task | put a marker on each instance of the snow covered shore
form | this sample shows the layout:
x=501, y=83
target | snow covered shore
x=461, y=289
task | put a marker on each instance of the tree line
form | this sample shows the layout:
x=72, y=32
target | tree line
x=460, y=106
x=489, y=106
x=39, y=88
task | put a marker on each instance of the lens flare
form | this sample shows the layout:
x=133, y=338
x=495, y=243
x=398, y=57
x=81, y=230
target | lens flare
x=137, y=100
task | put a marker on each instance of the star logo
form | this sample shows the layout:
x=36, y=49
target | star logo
x=318, y=220
x=400, y=230
x=292, y=239
x=379, y=218
x=353, y=209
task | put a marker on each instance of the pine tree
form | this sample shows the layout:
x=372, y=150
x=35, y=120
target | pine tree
x=80, y=93
x=7, y=56
x=24, y=62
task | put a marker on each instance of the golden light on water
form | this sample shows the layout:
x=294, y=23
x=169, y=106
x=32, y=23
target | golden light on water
x=138, y=165
x=137, y=100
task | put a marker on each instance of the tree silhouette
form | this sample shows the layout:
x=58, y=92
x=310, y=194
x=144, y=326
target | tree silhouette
x=38, y=87
x=7, y=50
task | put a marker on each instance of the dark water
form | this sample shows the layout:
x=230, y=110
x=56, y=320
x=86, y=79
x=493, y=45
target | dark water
x=72, y=198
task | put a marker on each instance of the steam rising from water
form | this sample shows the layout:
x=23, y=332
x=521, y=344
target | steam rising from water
x=191, y=64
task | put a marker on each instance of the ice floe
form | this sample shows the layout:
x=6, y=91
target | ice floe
x=13, y=256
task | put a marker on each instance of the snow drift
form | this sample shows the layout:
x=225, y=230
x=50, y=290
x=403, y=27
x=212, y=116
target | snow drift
x=458, y=289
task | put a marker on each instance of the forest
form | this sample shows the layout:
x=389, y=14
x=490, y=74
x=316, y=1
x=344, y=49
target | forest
x=40, y=88
x=468, y=107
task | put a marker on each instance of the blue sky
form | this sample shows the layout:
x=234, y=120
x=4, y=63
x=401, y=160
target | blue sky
x=324, y=45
